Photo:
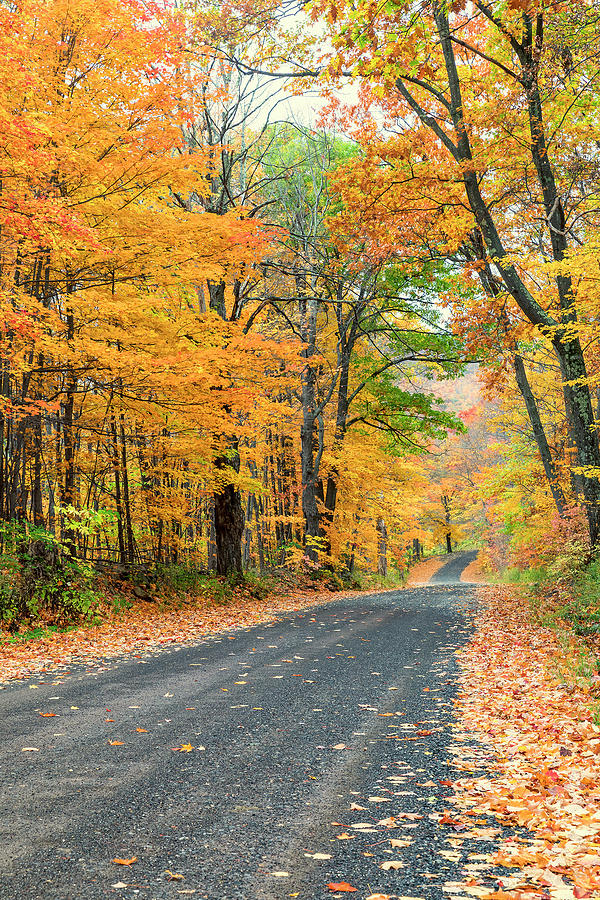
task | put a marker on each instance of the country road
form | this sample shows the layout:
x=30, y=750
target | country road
x=290, y=724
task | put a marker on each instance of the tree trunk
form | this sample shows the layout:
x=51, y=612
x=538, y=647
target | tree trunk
x=382, y=544
x=118, y=500
x=228, y=518
x=228, y=509
x=539, y=434
x=448, y=522
x=229, y=530
x=311, y=435
x=575, y=385
x=68, y=491
x=36, y=489
x=126, y=500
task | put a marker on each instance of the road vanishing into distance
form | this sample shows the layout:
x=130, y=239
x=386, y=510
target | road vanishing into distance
x=290, y=735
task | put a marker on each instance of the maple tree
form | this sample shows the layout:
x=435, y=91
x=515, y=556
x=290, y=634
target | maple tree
x=99, y=279
x=363, y=327
x=198, y=354
x=502, y=188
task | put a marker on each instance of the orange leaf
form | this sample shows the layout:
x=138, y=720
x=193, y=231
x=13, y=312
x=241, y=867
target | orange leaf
x=185, y=748
x=125, y=862
x=47, y=715
x=447, y=819
x=341, y=886
x=142, y=730
x=174, y=876
x=116, y=743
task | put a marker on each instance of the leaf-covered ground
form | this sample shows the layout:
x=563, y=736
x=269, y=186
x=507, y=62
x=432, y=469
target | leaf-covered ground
x=519, y=816
x=545, y=783
x=146, y=626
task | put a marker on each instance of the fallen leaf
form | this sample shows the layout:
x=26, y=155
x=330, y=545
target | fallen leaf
x=339, y=747
x=341, y=886
x=391, y=864
x=30, y=749
x=447, y=819
x=378, y=897
x=174, y=876
x=119, y=884
x=125, y=862
x=47, y=715
x=116, y=743
x=185, y=748
x=321, y=855
x=280, y=874
x=345, y=836
x=142, y=730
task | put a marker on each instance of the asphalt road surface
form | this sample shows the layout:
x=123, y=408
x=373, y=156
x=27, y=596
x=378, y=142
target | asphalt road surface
x=290, y=724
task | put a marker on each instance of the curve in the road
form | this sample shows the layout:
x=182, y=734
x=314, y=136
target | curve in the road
x=450, y=572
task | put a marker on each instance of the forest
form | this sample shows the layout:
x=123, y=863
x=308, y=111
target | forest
x=236, y=339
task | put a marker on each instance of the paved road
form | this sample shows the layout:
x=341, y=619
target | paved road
x=290, y=724
x=451, y=571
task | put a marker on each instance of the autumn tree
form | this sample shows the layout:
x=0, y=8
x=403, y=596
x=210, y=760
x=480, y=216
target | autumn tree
x=98, y=260
x=492, y=107
x=364, y=327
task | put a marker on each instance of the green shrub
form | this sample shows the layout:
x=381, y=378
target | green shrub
x=41, y=580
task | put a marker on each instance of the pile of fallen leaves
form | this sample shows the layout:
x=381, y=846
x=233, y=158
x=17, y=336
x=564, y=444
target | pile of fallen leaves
x=145, y=627
x=546, y=777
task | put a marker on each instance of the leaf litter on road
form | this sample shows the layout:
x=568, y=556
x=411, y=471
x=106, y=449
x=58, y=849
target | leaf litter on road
x=146, y=628
x=545, y=779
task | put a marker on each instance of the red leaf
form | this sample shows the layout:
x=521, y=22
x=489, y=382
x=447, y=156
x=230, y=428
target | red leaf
x=341, y=886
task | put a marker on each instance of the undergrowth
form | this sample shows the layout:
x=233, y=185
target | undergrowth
x=564, y=595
